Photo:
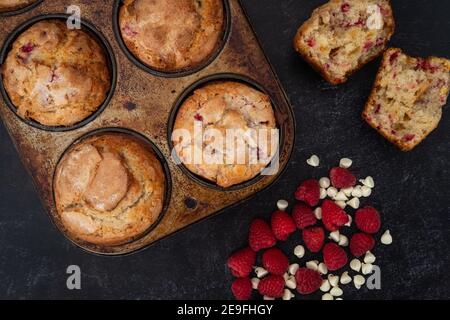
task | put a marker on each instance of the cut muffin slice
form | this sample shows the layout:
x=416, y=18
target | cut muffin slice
x=343, y=35
x=407, y=99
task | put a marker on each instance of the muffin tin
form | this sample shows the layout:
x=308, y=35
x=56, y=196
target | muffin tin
x=143, y=102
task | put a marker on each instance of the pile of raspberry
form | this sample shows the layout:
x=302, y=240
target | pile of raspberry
x=320, y=210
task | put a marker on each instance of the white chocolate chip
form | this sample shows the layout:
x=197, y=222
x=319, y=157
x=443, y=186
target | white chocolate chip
x=334, y=280
x=343, y=240
x=358, y=281
x=322, y=268
x=340, y=196
x=366, y=191
x=293, y=268
x=345, y=163
x=375, y=18
x=368, y=182
x=366, y=268
x=345, y=278
x=261, y=272
x=286, y=276
x=327, y=296
x=386, y=238
x=350, y=220
x=354, y=203
x=318, y=213
x=268, y=298
x=339, y=299
x=356, y=192
x=341, y=204
x=334, y=236
x=282, y=204
x=347, y=191
x=355, y=265
x=255, y=282
x=336, y=292
x=324, y=182
x=287, y=295
x=323, y=193
x=314, y=161
x=299, y=251
x=325, y=287
x=369, y=257
x=313, y=265
x=332, y=192
x=291, y=283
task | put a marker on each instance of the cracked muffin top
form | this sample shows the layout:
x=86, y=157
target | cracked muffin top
x=9, y=5
x=56, y=76
x=109, y=189
x=172, y=35
x=216, y=114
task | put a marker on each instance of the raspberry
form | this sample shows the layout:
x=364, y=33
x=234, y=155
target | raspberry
x=260, y=235
x=275, y=261
x=311, y=42
x=393, y=57
x=360, y=243
x=314, y=238
x=198, y=117
x=342, y=178
x=334, y=256
x=242, y=288
x=368, y=220
x=333, y=216
x=241, y=262
x=308, y=192
x=271, y=286
x=307, y=280
x=303, y=216
x=345, y=7
x=282, y=225
x=27, y=48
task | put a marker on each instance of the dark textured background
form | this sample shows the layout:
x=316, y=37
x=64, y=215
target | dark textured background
x=412, y=189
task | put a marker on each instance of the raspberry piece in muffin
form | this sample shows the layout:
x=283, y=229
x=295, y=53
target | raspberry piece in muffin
x=407, y=99
x=343, y=35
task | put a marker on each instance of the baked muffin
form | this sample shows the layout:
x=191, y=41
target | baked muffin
x=219, y=108
x=343, y=35
x=172, y=35
x=407, y=99
x=109, y=189
x=10, y=5
x=56, y=76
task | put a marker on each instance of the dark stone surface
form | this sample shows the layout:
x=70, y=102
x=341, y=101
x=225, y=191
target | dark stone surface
x=412, y=188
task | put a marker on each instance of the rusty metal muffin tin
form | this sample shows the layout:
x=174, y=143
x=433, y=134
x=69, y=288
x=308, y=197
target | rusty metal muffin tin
x=144, y=103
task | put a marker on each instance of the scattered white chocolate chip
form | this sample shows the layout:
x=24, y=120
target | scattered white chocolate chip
x=356, y=192
x=313, y=265
x=334, y=236
x=355, y=265
x=375, y=17
x=368, y=182
x=326, y=286
x=318, y=213
x=334, y=280
x=291, y=283
x=293, y=268
x=286, y=276
x=345, y=278
x=268, y=298
x=350, y=220
x=347, y=191
x=369, y=257
x=282, y=204
x=314, y=161
x=345, y=163
x=322, y=268
x=336, y=292
x=340, y=196
x=366, y=268
x=343, y=240
x=327, y=296
x=287, y=294
x=358, y=281
x=366, y=191
x=255, y=282
x=260, y=272
x=341, y=204
x=332, y=192
x=386, y=238
x=323, y=193
x=324, y=182
x=354, y=203
x=299, y=251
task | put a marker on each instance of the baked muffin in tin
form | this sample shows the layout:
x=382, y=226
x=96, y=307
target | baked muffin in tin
x=109, y=189
x=206, y=122
x=11, y=5
x=172, y=35
x=56, y=76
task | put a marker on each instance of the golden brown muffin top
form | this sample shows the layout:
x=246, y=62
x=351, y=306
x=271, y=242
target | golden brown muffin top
x=56, y=76
x=8, y=5
x=109, y=189
x=172, y=35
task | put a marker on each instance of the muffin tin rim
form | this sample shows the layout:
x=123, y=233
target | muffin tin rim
x=175, y=74
x=11, y=13
x=88, y=27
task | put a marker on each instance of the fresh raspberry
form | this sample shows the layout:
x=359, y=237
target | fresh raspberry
x=342, y=178
x=308, y=192
x=368, y=220
x=241, y=262
x=282, y=225
x=242, y=288
x=260, y=235
x=360, y=243
x=307, y=280
x=271, y=286
x=275, y=261
x=334, y=256
x=303, y=216
x=333, y=216
x=314, y=238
